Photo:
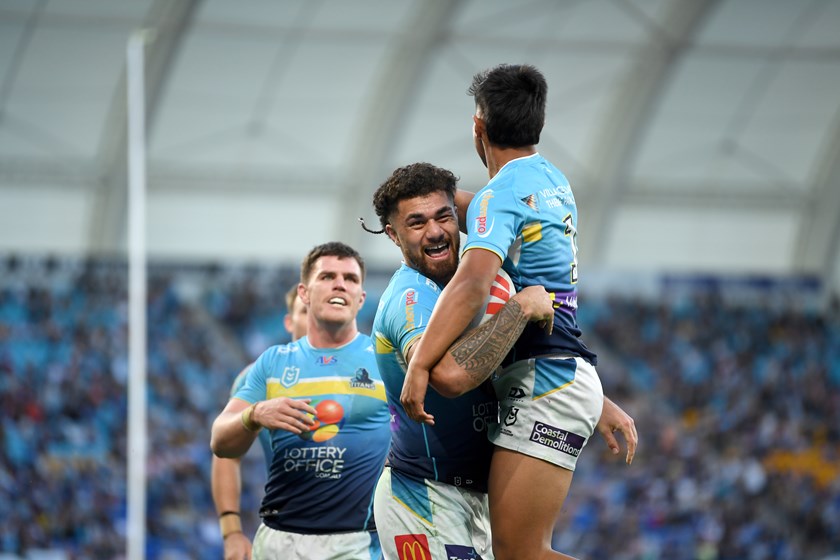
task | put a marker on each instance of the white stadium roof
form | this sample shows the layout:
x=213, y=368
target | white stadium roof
x=699, y=135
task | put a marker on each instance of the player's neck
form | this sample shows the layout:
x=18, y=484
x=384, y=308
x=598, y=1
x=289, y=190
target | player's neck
x=497, y=157
x=329, y=335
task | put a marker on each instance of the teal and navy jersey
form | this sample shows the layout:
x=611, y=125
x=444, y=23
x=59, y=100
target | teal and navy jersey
x=322, y=481
x=527, y=215
x=456, y=449
x=264, y=436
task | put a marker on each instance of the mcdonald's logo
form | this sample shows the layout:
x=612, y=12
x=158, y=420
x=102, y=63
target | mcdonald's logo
x=412, y=547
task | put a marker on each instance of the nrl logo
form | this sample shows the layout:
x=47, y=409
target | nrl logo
x=510, y=419
x=290, y=376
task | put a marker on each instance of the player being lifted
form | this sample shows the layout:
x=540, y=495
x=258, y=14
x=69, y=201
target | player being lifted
x=525, y=221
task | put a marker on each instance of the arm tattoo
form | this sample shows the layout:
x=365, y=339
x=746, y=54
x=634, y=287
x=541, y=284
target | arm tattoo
x=481, y=350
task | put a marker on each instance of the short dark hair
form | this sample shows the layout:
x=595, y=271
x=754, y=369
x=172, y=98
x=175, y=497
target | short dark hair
x=330, y=249
x=511, y=98
x=416, y=179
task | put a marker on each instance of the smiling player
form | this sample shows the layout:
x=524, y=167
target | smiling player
x=323, y=401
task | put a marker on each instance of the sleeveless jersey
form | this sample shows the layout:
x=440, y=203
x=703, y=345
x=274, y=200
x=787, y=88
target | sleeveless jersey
x=456, y=449
x=322, y=481
x=527, y=215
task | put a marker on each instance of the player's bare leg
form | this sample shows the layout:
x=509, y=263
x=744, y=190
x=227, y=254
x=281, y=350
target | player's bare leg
x=526, y=495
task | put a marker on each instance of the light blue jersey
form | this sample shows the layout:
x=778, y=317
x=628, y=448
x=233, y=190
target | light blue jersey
x=455, y=450
x=322, y=481
x=527, y=216
x=264, y=436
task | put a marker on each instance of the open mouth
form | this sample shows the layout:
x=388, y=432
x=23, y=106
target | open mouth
x=437, y=251
x=338, y=301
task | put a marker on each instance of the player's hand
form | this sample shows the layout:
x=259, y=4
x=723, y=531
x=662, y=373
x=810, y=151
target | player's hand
x=413, y=395
x=613, y=419
x=537, y=305
x=237, y=547
x=283, y=413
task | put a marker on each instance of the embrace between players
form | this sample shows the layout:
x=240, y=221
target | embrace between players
x=478, y=467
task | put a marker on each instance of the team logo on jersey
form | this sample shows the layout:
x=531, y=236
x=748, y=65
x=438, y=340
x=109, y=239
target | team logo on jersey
x=516, y=393
x=510, y=418
x=326, y=360
x=412, y=547
x=531, y=202
x=361, y=379
x=460, y=552
x=290, y=376
x=482, y=228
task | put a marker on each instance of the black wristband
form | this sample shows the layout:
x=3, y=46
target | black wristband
x=228, y=513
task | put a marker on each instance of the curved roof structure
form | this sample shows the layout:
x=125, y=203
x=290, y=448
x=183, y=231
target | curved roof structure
x=699, y=135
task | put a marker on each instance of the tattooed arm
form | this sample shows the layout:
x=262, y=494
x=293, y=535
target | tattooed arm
x=478, y=352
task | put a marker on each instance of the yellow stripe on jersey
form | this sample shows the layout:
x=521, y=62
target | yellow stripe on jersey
x=560, y=388
x=532, y=232
x=412, y=512
x=410, y=342
x=382, y=344
x=323, y=386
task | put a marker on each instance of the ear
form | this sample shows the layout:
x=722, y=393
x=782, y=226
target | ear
x=287, y=322
x=362, y=299
x=478, y=126
x=304, y=297
x=392, y=234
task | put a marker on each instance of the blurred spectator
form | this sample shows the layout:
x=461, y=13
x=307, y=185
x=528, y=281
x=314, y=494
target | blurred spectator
x=738, y=410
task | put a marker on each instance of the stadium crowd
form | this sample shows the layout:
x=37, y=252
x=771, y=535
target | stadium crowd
x=738, y=410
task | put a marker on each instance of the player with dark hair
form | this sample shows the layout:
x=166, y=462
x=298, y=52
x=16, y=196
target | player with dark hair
x=323, y=401
x=225, y=479
x=432, y=497
x=524, y=220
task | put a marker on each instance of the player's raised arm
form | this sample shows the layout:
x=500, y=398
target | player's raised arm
x=459, y=302
x=477, y=354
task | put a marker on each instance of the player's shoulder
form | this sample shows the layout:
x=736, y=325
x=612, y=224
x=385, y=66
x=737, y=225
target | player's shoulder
x=408, y=282
x=239, y=380
x=361, y=350
x=282, y=352
x=362, y=339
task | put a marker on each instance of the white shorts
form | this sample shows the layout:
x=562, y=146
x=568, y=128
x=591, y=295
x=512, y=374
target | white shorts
x=271, y=544
x=424, y=519
x=548, y=408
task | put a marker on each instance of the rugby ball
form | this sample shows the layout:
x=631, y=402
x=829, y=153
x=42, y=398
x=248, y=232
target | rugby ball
x=500, y=292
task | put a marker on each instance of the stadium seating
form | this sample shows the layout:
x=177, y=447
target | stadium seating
x=738, y=410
